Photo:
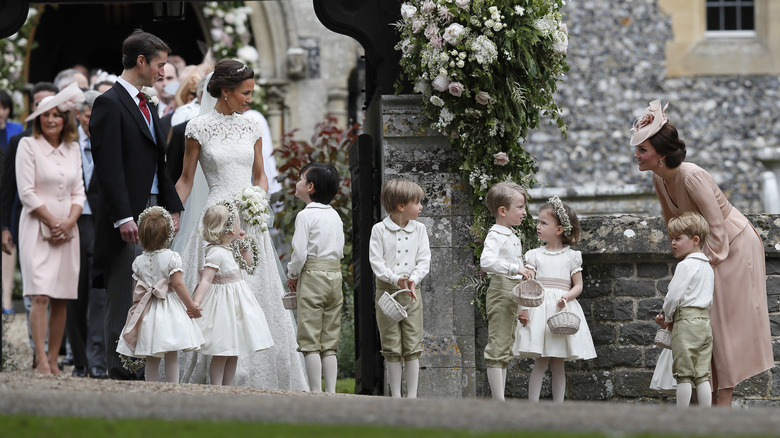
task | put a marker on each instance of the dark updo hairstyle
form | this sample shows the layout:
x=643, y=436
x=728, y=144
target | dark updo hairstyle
x=667, y=143
x=228, y=74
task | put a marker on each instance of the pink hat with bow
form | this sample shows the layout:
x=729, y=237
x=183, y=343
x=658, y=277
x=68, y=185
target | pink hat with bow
x=65, y=100
x=650, y=123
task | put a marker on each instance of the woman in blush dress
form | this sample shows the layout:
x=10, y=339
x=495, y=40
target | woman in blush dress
x=51, y=189
x=742, y=344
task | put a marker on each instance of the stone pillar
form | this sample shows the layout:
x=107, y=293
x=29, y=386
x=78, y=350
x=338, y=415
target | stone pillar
x=407, y=148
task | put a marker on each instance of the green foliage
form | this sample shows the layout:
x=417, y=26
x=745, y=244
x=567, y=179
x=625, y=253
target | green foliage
x=488, y=71
x=329, y=144
x=13, y=51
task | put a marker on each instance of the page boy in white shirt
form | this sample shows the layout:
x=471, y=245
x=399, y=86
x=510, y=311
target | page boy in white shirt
x=314, y=272
x=400, y=258
x=687, y=306
x=502, y=256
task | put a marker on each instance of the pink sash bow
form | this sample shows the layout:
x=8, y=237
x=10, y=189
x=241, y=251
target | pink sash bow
x=142, y=294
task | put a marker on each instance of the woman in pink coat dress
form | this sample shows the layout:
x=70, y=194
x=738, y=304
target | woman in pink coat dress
x=51, y=188
x=742, y=344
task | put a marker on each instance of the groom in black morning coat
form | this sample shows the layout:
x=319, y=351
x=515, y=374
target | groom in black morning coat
x=128, y=147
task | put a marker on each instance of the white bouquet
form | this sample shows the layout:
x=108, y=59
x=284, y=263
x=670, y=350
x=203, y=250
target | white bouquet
x=254, y=207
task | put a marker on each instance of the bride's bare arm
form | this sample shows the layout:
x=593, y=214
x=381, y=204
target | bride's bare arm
x=259, y=177
x=191, y=153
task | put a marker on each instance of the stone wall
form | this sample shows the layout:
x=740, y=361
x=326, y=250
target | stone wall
x=627, y=268
x=408, y=149
x=723, y=119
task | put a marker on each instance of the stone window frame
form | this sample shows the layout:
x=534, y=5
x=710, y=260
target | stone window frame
x=693, y=51
x=738, y=6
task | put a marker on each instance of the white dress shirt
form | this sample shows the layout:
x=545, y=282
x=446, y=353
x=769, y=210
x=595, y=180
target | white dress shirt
x=691, y=285
x=396, y=252
x=503, y=252
x=319, y=233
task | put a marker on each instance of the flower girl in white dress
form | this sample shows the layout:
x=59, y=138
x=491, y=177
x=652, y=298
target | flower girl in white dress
x=158, y=323
x=559, y=269
x=233, y=322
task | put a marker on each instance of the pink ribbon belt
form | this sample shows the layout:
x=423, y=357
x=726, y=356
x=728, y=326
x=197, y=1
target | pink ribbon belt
x=555, y=283
x=142, y=294
x=230, y=277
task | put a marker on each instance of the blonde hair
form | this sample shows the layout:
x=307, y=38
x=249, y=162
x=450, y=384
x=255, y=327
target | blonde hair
x=215, y=222
x=399, y=192
x=153, y=230
x=502, y=195
x=691, y=224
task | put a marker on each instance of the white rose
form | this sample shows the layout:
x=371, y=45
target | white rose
x=441, y=83
x=490, y=23
x=436, y=100
x=408, y=11
x=463, y=4
x=498, y=26
x=460, y=64
x=453, y=33
x=247, y=192
x=248, y=53
x=456, y=89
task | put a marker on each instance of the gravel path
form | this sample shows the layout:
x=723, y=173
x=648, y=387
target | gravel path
x=25, y=392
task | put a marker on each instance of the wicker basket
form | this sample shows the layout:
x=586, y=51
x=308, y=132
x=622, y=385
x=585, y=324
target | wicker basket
x=290, y=300
x=564, y=323
x=663, y=338
x=529, y=293
x=392, y=308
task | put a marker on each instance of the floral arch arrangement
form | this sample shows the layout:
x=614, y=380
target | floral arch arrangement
x=488, y=71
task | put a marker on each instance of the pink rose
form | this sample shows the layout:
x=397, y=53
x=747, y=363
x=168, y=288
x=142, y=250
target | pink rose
x=483, y=98
x=501, y=159
x=456, y=89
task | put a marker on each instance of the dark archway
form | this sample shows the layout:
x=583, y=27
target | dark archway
x=92, y=35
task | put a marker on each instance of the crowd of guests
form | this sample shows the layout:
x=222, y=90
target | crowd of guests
x=40, y=165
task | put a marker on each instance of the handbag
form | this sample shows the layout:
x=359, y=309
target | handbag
x=46, y=232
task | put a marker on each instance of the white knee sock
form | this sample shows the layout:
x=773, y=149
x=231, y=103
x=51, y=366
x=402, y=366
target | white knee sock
x=394, y=374
x=704, y=394
x=535, y=381
x=412, y=374
x=684, y=391
x=496, y=380
x=330, y=369
x=152, y=369
x=314, y=371
x=558, y=379
x=172, y=367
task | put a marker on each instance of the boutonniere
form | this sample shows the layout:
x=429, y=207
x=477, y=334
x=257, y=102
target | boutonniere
x=152, y=99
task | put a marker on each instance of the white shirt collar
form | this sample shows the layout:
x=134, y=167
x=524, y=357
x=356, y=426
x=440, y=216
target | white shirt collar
x=313, y=204
x=697, y=256
x=392, y=226
x=500, y=229
x=131, y=90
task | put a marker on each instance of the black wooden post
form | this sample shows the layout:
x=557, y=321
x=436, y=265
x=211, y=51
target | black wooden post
x=369, y=366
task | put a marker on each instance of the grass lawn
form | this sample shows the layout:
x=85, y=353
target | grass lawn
x=23, y=426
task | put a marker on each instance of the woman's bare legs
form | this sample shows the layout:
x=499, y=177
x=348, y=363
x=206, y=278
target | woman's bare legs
x=57, y=314
x=38, y=310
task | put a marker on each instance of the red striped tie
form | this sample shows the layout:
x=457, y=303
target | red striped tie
x=144, y=107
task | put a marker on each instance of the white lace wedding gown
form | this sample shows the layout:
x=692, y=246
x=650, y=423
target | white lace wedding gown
x=226, y=157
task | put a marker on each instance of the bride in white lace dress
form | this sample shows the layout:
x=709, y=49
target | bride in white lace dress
x=228, y=146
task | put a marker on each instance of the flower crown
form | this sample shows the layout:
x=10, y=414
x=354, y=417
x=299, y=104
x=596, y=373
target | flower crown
x=164, y=213
x=560, y=211
x=230, y=221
